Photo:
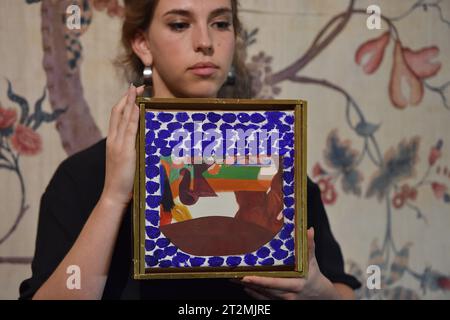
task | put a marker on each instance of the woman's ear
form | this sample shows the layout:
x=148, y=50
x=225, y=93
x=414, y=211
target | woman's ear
x=141, y=48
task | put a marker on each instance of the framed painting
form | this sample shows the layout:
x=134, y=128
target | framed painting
x=220, y=189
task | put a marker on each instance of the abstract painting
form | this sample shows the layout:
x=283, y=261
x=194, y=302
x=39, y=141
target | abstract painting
x=220, y=188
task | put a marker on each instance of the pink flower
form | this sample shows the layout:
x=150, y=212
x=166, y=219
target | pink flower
x=443, y=283
x=26, y=141
x=113, y=8
x=411, y=67
x=412, y=194
x=419, y=61
x=398, y=200
x=408, y=192
x=317, y=170
x=408, y=71
x=434, y=280
x=371, y=53
x=401, y=72
x=100, y=4
x=435, y=153
x=7, y=117
x=327, y=191
x=439, y=189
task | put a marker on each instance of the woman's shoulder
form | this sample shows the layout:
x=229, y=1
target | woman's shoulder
x=91, y=158
x=82, y=171
x=313, y=195
x=311, y=185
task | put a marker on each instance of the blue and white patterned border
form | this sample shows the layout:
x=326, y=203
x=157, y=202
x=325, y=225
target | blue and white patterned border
x=160, y=125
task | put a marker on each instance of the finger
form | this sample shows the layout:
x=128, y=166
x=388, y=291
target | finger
x=311, y=244
x=284, y=284
x=270, y=293
x=255, y=294
x=131, y=101
x=116, y=114
x=131, y=131
x=126, y=113
x=140, y=90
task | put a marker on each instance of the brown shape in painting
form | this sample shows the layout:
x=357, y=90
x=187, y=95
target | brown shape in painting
x=256, y=222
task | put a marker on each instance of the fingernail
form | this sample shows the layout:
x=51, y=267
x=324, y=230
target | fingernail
x=132, y=85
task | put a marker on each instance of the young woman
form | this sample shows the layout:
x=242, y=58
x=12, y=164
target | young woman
x=85, y=219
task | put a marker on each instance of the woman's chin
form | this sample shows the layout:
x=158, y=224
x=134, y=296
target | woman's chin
x=203, y=90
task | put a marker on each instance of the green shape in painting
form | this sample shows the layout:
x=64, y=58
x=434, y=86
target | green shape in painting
x=235, y=172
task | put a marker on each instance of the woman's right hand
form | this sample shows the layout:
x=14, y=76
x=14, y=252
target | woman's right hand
x=120, y=149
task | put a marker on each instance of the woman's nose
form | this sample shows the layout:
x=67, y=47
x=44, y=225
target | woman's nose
x=203, y=41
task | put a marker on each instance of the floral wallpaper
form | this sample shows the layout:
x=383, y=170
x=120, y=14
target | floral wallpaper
x=393, y=179
x=19, y=137
x=378, y=120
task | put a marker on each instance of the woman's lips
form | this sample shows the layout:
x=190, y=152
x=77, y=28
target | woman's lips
x=204, y=69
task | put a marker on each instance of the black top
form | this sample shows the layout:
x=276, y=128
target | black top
x=72, y=195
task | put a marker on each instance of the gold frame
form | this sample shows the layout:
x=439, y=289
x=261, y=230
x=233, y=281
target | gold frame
x=301, y=251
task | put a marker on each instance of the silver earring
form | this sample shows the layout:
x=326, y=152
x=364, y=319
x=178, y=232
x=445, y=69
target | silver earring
x=231, y=78
x=148, y=81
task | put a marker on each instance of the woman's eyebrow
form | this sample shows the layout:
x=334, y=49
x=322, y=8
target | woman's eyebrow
x=187, y=13
x=220, y=11
x=181, y=12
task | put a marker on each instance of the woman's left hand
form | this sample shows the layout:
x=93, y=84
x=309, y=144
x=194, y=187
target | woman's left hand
x=315, y=286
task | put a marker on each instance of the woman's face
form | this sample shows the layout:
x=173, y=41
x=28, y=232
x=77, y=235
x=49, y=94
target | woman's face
x=191, y=46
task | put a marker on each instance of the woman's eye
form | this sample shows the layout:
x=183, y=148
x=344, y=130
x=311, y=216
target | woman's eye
x=223, y=25
x=178, y=26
